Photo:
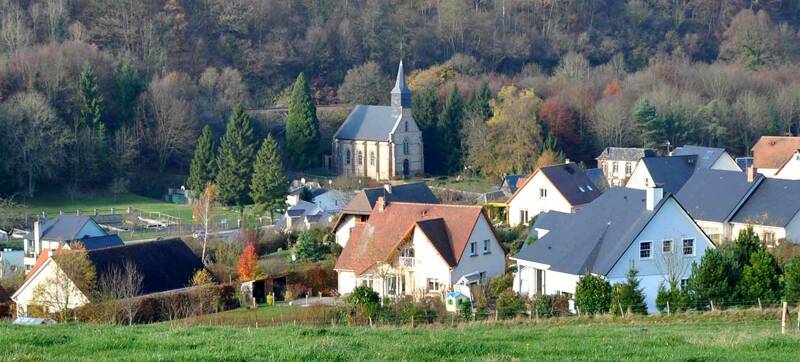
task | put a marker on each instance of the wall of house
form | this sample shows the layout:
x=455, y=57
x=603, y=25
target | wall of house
x=24, y=297
x=428, y=264
x=619, y=178
x=347, y=281
x=793, y=230
x=493, y=263
x=762, y=231
x=640, y=178
x=555, y=283
x=726, y=163
x=415, y=155
x=716, y=231
x=527, y=198
x=90, y=229
x=670, y=223
x=767, y=172
x=791, y=170
x=343, y=231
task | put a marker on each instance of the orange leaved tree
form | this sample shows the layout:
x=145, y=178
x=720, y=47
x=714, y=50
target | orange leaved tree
x=248, y=263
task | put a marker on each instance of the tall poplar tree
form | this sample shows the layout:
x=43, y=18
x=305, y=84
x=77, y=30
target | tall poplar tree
x=302, y=126
x=235, y=159
x=204, y=166
x=269, y=182
x=449, y=126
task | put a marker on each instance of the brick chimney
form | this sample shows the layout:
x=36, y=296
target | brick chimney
x=380, y=204
x=751, y=173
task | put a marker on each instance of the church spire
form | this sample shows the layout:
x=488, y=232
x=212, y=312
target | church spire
x=401, y=95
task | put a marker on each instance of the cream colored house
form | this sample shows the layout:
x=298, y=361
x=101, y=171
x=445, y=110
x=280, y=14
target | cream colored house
x=617, y=163
x=407, y=249
x=791, y=169
x=563, y=188
x=380, y=142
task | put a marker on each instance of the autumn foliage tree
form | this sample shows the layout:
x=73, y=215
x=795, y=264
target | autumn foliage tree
x=248, y=263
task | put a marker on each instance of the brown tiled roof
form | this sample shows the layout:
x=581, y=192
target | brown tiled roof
x=448, y=226
x=43, y=256
x=774, y=151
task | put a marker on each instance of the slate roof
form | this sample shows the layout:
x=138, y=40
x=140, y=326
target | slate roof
x=448, y=226
x=706, y=156
x=773, y=202
x=774, y=151
x=570, y=181
x=550, y=220
x=598, y=178
x=371, y=123
x=512, y=181
x=594, y=238
x=64, y=227
x=364, y=201
x=670, y=171
x=99, y=242
x=625, y=153
x=164, y=265
x=744, y=162
x=712, y=195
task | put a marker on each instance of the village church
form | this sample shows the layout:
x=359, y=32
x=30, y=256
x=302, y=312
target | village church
x=380, y=142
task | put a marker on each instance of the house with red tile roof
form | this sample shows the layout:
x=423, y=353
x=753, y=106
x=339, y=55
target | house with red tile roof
x=770, y=153
x=409, y=249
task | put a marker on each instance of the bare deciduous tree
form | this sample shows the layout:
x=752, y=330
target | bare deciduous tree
x=122, y=286
x=174, y=127
x=70, y=284
x=203, y=211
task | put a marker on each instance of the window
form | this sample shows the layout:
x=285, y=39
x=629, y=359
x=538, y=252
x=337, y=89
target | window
x=589, y=187
x=581, y=189
x=347, y=157
x=407, y=252
x=768, y=237
x=688, y=246
x=433, y=284
x=539, y=281
x=666, y=246
x=372, y=158
x=628, y=167
x=392, y=284
x=406, y=148
x=473, y=248
x=523, y=216
x=542, y=193
x=482, y=276
x=486, y=247
x=405, y=126
x=645, y=249
x=360, y=158
x=614, y=167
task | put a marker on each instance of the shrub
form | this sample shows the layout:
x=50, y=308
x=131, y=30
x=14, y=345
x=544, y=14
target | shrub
x=546, y=306
x=502, y=283
x=628, y=296
x=309, y=246
x=676, y=298
x=509, y=304
x=465, y=310
x=592, y=295
x=481, y=312
x=365, y=301
x=298, y=290
x=791, y=279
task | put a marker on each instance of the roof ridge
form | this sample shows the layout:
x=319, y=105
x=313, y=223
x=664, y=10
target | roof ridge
x=435, y=205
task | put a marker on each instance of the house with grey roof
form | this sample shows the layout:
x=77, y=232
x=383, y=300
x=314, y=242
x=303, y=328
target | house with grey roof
x=617, y=163
x=712, y=158
x=669, y=172
x=359, y=209
x=724, y=203
x=622, y=229
x=380, y=142
x=564, y=188
x=60, y=232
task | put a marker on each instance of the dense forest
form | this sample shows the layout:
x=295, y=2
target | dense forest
x=114, y=93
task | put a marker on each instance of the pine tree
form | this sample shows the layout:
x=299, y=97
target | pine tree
x=426, y=114
x=89, y=99
x=128, y=85
x=302, y=126
x=747, y=244
x=761, y=278
x=449, y=129
x=649, y=123
x=628, y=296
x=479, y=103
x=203, y=167
x=269, y=182
x=235, y=159
x=90, y=133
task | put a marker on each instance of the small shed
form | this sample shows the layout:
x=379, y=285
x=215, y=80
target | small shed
x=259, y=289
x=453, y=301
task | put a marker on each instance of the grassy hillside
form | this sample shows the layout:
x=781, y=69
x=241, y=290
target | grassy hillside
x=743, y=340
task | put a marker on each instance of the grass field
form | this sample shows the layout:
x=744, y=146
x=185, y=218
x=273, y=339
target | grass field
x=723, y=341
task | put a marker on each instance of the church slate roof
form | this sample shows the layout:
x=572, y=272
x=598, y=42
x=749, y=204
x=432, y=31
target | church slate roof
x=369, y=123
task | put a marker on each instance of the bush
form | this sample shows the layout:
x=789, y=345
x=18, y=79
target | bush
x=502, y=283
x=714, y=279
x=791, y=279
x=546, y=306
x=365, y=301
x=465, y=310
x=676, y=298
x=298, y=290
x=309, y=245
x=509, y=304
x=592, y=295
x=628, y=296
x=761, y=278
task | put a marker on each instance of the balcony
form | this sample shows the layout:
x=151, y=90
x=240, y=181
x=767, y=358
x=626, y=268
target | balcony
x=407, y=262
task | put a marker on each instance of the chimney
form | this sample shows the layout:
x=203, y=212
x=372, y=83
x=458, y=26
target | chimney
x=37, y=238
x=654, y=196
x=380, y=204
x=388, y=188
x=751, y=174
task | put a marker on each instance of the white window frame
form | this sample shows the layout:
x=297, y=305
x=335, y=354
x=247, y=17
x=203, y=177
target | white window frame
x=694, y=247
x=671, y=246
x=523, y=216
x=473, y=248
x=650, y=250
x=486, y=249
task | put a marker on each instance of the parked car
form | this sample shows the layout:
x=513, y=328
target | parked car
x=199, y=234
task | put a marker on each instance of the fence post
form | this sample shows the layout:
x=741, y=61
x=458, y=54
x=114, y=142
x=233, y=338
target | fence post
x=712, y=305
x=668, y=311
x=621, y=312
x=798, y=316
x=759, y=304
x=783, y=317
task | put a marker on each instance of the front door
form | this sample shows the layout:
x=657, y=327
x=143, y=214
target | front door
x=406, y=168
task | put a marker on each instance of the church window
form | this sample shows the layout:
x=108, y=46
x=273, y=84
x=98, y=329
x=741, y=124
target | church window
x=406, y=148
x=360, y=158
x=406, y=125
x=372, y=158
x=347, y=157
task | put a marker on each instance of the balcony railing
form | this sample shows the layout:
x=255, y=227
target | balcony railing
x=407, y=262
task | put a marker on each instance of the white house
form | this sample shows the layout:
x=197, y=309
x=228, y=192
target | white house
x=770, y=153
x=563, y=188
x=790, y=169
x=360, y=207
x=62, y=230
x=420, y=249
x=669, y=172
x=708, y=158
x=622, y=229
x=617, y=163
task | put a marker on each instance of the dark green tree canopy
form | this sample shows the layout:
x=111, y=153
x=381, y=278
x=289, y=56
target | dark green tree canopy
x=237, y=152
x=268, y=189
x=592, y=294
x=302, y=126
x=628, y=296
x=204, y=163
x=449, y=127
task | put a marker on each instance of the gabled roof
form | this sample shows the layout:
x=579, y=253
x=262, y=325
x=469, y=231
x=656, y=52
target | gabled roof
x=512, y=181
x=712, y=195
x=706, y=156
x=364, y=201
x=100, y=242
x=550, y=220
x=570, y=181
x=164, y=265
x=64, y=227
x=670, y=171
x=598, y=178
x=773, y=151
x=625, y=153
x=371, y=123
x=303, y=208
x=773, y=202
x=593, y=239
x=377, y=240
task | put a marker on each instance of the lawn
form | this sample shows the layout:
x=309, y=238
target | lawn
x=723, y=341
x=468, y=184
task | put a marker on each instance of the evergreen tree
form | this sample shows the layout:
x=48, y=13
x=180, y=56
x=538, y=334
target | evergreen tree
x=128, y=85
x=646, y=118
x=747, y=243
x=714, y=279
x=628, y=295
x=425, y=113
x=761, y=278
x=89, y=99
x=235, y=159
x=302, y=126
x=203, y=167
x=89, y=132
x=791, y=279
x=449, y=129
x=479, y=105
x=269, y=182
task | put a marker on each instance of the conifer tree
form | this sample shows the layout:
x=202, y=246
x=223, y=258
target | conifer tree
x=89, y=99
x=628, y=296
x=649, y=123
x=302, y=126
x=89, y=132
x=203, y=167
x=235, y=159
x=761, y=278
x=426, y=114
x=449, y=127
x=747, y=243
x=269, y=182
x=479, y=106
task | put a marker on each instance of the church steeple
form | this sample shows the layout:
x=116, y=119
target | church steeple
x=401, y=95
